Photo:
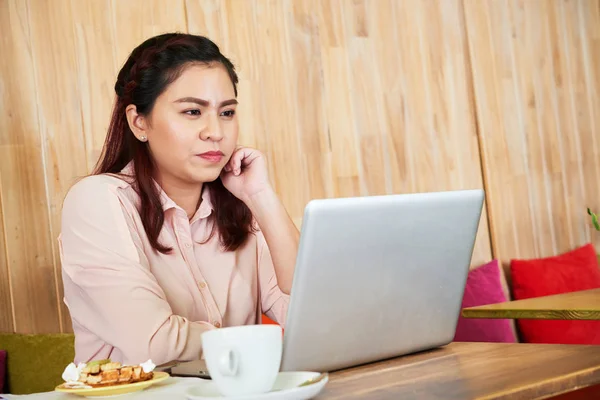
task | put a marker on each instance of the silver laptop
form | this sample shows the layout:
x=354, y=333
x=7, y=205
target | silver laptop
x=376, y=277
x=379, y=277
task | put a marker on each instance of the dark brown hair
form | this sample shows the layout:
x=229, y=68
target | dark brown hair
x=150, y=68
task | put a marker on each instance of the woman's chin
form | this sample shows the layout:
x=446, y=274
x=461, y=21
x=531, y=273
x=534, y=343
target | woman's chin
x=206, y=176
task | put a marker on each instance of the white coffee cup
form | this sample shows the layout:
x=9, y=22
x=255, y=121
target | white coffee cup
x=243, y=360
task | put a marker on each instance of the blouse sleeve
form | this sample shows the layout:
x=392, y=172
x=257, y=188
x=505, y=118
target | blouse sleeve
x=110, y=289
x=274, y=302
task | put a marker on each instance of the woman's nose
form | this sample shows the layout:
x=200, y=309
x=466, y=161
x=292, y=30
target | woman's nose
x=212, y=130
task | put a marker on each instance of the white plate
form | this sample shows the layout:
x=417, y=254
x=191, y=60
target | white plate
x=285, y=388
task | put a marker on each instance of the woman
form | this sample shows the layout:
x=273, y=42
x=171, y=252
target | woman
x=178, y=230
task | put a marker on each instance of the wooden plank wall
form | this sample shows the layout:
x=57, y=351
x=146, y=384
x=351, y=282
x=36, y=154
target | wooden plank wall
x=346, y=97
x=537, y=86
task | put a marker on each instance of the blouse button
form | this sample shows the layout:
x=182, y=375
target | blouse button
x=202, y=285
x=217, y=324
x=188, y=245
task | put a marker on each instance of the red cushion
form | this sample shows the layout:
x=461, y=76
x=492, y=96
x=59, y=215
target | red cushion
x=569, y=272
x=2, y=370
x=484, y=286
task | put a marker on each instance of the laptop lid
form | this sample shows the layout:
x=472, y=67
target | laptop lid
x=378, y=277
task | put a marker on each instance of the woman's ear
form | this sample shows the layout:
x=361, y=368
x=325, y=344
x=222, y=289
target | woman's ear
x=137, y=123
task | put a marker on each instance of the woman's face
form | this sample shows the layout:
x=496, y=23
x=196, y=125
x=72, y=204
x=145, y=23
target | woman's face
x=192, y=130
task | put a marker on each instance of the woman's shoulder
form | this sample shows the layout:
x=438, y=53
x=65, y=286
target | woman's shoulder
x=97, y=190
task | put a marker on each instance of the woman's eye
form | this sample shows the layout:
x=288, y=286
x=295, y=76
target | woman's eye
x=228, y=113
x=194, y=113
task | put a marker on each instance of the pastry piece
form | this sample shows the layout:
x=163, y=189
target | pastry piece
x=109, y=377
x=110, y=366
x=144, y=376
x=93, y=380
x=91, y=369
x=125, y=375
x=136, y=373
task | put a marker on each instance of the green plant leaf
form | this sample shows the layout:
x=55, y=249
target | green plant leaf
x=594, y=219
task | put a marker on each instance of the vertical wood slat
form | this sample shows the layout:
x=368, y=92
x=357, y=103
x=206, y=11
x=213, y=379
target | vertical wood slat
x=536, y=97
x=93, y=32
x=6, y=303
x=137, y=20
x=58, y=95
x=27, y=232
x=588, y=30
x=344, y=166
x=311, y=120
x=7, y=316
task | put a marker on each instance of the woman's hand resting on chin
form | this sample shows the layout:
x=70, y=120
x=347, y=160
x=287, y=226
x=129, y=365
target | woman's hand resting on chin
x=246, y=175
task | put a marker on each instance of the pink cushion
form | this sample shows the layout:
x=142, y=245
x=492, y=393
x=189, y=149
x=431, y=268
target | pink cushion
x=484, y=286
x=2, y=370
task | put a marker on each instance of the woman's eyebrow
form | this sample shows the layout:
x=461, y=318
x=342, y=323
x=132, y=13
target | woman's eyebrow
x=205, y=103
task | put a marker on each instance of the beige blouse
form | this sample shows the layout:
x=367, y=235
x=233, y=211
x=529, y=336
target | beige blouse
x=130, y=303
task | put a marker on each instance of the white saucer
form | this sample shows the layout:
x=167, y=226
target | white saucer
x=285, y=388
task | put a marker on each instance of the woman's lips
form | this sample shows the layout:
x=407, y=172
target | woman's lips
x=212, y=156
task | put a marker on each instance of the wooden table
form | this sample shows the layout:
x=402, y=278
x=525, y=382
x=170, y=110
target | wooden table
x=469, y=371
x=575, y=305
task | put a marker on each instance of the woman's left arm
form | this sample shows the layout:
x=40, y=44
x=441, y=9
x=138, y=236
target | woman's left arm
x=280, y=233
x=245, y=175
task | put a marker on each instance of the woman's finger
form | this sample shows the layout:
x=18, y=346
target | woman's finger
x=230, y=166
x=238, y=158
x=241, y=158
